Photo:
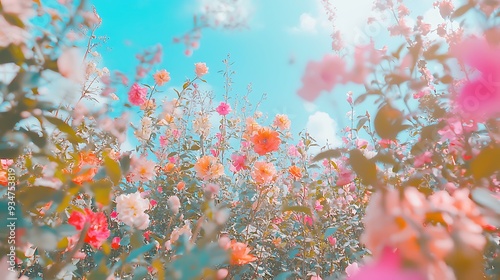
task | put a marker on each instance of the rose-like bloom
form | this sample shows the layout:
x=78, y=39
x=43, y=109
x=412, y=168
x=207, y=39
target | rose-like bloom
x=295, y=172
x=389, y=266
x=240, y=253
x=201, y=69
x=142, y=169
x=137, y=95
x=266, y=141
x=263, y=172
x=238, y=162
x=161, y=77
x=98, y=230
x=146, y=129
x=178, y=232
x=174, y=204
x=223, y=109
x=3, y=178
x=479, y=98
x=211, y=188
x=282, y=122
x=87, y=163
x=208, y=168
x=130, y=209
x=70, y=65
x=202, y=125
x=115, y=243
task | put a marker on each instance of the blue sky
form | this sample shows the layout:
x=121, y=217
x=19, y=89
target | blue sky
x=278, y=30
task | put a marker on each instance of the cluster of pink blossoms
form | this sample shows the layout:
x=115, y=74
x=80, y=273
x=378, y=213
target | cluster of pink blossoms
x=424, y=230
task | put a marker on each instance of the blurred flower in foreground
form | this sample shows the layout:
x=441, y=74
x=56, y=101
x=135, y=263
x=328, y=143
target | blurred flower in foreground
x=479, y=98
x=387, y=267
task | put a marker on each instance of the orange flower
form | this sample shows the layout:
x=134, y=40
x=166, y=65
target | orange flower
x=295, y=172
x=88, y=163
x=265, y=141
x=208, y=168
x=263, y=172
x=240, y=253
x=3, y=178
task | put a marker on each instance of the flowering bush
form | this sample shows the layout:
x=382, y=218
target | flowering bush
x=222, y=191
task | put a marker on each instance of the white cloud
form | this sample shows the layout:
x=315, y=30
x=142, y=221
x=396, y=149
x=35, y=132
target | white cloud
x=323, y=129
x=307, y=24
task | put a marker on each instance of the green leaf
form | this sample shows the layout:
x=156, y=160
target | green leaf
x=487, y=199
x=389, y=122
x=462, y=10
x=113, y=170
x=30, y=197
x=486, y=163
x=364, y=168
x=284, y=275
x=66, y=128
x=102, y=191
x=334, y=153
x=330, y=231
x=302, y=209
x=140, y=273
x=137, y=252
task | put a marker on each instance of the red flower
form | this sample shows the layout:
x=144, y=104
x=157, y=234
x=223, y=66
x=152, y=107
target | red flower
x=98, y=231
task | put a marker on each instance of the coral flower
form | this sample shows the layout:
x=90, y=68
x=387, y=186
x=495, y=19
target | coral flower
x=240, y=253
x=263, y=172
x=265, y=141
x=3, y=178
x=137, y=95
x=208, y=168
x=88, y=163
x=98, y=231
x=295, y=172
x=201, y=69
x=282, y=122
x=161, y=77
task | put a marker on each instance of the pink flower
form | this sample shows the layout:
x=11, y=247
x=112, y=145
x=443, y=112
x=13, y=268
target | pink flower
x=479, y=98
x=137, y=95
x=388, y=267
x=422, y=159
x=142, y=169
x=201, y=69
x=70, y=65
x=316, y=277
x=174, y=204
x=223, y=109
x=321, y=76
x=98, y=230
x=352, y=269
x=293, y=151
x=238, y=162
x=318, y=206
x=163, y=141
x=332, y=240
x=211, y=188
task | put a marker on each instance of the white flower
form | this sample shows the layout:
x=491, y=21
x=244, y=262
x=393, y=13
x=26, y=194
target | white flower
x=130, y=209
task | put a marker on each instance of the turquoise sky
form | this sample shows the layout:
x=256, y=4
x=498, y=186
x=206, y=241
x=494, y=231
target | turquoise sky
x=261, y=53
